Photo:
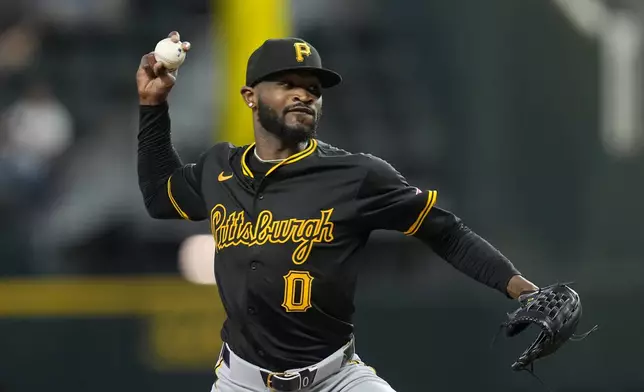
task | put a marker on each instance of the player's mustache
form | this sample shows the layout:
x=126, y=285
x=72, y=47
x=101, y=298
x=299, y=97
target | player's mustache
x=300, y=108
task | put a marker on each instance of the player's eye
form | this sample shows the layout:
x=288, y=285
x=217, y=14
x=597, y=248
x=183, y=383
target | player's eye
x=286, y=85
x=315, y=90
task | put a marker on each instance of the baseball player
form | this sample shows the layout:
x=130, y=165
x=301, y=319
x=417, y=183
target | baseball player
x=289, y=215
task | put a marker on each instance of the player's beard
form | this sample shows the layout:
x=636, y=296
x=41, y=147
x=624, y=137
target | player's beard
x=276, y=125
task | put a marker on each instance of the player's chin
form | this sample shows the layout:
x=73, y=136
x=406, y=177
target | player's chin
x=303, y=126
x=300, y=120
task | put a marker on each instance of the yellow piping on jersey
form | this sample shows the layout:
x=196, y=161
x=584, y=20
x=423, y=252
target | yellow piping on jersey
x=292, y=159
x=296, y=157
x=245, y=170
x=431, y=199
x=174, y=202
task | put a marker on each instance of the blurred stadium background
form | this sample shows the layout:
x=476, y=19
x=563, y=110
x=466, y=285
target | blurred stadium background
x=525, y=115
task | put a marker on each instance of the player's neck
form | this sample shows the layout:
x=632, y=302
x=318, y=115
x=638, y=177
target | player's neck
x=270, y=148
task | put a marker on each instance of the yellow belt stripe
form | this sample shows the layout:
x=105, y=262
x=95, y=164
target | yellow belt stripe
x=431, y=199
x=218, y=365
x=174, y=202
x=356, y=362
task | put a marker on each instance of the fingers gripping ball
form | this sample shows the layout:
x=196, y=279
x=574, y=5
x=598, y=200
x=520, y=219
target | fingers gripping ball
x=170, y=53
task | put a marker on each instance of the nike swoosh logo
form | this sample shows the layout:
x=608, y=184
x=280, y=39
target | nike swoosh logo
x=222, y=177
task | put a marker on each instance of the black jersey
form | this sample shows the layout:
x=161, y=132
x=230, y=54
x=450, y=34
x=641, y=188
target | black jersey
x=286, y=235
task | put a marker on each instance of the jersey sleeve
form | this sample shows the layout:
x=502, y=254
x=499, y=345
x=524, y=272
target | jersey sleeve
x=178, y=196
x=387, y=201
x=183, y=191
x=170, y=189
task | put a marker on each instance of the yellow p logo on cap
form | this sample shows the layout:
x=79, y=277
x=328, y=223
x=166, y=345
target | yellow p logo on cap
x=301, y=49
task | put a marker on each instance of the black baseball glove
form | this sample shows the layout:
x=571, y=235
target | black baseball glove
x=556, y=309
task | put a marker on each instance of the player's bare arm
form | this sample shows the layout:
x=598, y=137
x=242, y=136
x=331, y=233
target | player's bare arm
x=170, y=189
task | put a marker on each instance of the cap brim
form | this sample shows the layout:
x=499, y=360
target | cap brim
x=326, y=77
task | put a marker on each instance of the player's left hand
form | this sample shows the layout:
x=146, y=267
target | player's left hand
x=556, y=309
x=154, y=81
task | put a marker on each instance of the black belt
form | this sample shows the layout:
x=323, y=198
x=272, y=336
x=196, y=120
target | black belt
x=293, y=381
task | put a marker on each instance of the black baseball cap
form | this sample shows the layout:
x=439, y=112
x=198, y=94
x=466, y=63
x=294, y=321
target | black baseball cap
x=288, y=54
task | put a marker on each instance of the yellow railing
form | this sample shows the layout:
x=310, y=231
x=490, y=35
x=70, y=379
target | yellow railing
x=182, y=320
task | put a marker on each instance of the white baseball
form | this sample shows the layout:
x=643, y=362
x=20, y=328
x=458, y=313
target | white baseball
x=170, y=54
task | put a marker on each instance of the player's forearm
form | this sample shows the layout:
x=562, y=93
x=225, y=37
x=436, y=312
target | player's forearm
x=469, y=253
x=157, y=159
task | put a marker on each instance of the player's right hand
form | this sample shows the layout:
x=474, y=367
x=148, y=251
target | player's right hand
x=153, y=80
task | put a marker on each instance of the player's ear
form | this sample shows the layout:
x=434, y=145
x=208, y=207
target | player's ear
x=248, y=94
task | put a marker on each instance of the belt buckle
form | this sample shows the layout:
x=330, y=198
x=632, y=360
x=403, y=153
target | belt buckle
x=284, y=378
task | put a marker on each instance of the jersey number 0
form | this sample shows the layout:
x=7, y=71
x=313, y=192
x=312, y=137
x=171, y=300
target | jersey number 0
x=297, y=291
